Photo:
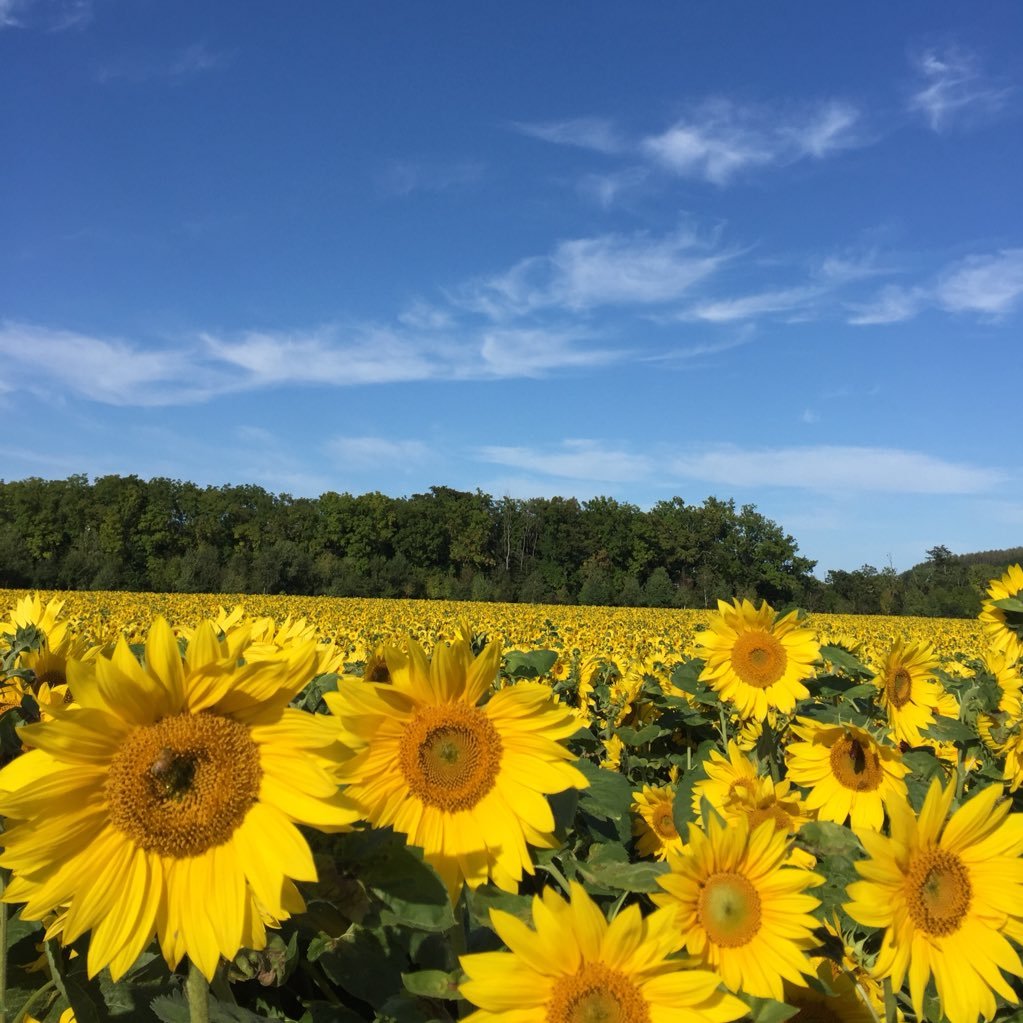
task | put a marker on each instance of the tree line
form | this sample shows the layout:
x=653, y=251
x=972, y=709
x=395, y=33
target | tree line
x=165, y=535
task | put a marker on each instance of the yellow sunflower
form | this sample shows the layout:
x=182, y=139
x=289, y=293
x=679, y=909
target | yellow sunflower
x=573, y=966
x=949, y=892
x=48, y=662
x=848, y=772
x=1004, y=627
x=165, y=801
x=465, y=780
x=832, y=996
x=756, y=661
x=655, y=829
x=740, y=908
x=724, y=775
x=909, y=692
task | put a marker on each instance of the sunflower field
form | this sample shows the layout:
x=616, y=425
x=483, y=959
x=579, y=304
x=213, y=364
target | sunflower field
x=326, y=809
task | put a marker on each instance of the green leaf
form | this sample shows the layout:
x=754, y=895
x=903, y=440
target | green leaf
x=366, y=963
x=529, y=664
x=609, y=867
x=845, y=661
x=432, y=984
x=1009, y=604
x=638, y=736
x=608, y=797
x=949, y=730
x=767, y=1010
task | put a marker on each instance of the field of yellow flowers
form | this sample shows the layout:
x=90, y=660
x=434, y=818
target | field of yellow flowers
x=318, y=809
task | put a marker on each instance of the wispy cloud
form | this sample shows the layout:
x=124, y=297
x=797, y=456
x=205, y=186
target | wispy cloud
x=585, y=273
x=373, y=452
x=720, y=139
x=832, y=468
x=952, y=88
x=186, y=62
x=575, y=460
x=892, y=304
x=594, y=133
x=990, y=285
x=49, y=15
x=403, y=177
x=822, y=468
x=746, y=307
x=198, y=369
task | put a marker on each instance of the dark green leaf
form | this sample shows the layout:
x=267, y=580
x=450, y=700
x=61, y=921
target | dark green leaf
x=432, y=984
x=529, y=664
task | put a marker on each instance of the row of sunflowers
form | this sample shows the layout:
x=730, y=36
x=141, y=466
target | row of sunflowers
x=245, y=816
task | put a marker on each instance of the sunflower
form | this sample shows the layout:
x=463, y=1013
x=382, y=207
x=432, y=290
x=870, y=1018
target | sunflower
x=655, y=829
x=829, y=998
x=949, y=893
x=909, y=692
x=740, y=908
x=464, y=780
x=724, y=775
x=756, y=661
x=1004, y=627
x=58, y=645
x=848, y=772
x=165, y=801
x=573, y=966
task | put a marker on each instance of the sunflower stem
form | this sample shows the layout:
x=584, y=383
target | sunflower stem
x=3, y=952
x=890, y=1014
x=47, y=990
x=723, y=724
x=198, y=990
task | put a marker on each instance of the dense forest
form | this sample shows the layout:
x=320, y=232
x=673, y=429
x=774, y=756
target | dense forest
x=126, y=533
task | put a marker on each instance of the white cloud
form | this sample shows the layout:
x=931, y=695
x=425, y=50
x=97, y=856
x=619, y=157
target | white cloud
x=746, y=307
x=831, y=468
x=828, y=469
x=608, y=189
x=9, y=13
x=114, y=372
x=184, y=62
x=524, y=352
x=893, y=304
x=51, y=15
x=372, y=452
x=403, y=177
x=953, y=89
x=989, y=284
x=576, y=460
x=595, y=133
x=584, y=273
x=720, y=139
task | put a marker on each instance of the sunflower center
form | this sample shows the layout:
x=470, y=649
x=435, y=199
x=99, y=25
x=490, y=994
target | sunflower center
x=450, y=756
x=900, y=687
x=664, y=822
x=758, y=658
x=856, y=765
x=378, y=672
x=938, y=891
x=729, y=909
x=596, y=994
x=54, y=676
x=185, y=784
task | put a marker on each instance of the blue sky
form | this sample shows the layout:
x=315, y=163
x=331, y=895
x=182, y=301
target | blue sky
x=772, y=252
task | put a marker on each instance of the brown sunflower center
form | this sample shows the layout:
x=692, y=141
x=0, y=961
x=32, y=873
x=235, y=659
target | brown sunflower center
x=729, y=909
x=450, y=755
x=856, y=764
x=596, y=994
x=938, y=891
x=54, y=676
x=185, y=784
x=664, y=821
x=758, y=658
x=377, y=671
x=900, y=687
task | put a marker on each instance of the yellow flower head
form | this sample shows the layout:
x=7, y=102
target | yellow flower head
x=164, y=801
x=910, y=695
x=574, y=966
x=1004, y=627
x=755, y=661
x=949, y=893
x=465, y=780
x=655, y=829
x=848, y=772
x=740, y=908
